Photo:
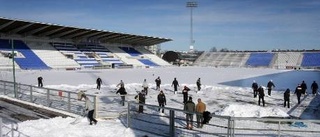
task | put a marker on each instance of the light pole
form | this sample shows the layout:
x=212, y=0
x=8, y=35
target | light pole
x=13, y=69
x=191, y=5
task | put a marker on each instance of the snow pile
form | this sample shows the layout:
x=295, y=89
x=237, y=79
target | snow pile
x=61, y=127
x=248, y=110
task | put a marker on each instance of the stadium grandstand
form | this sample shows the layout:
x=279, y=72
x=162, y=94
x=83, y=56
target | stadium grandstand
x=35, y=45
x=297, y=59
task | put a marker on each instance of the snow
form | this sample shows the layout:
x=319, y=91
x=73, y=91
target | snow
x=237, y=110
x=221, y=97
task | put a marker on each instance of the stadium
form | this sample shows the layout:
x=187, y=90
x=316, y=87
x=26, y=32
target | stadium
x=70, y=59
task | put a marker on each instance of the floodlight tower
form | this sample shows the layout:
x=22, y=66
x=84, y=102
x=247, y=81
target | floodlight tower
x=191, y=5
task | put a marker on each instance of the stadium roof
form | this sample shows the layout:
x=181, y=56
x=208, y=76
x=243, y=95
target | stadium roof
x=53, y=31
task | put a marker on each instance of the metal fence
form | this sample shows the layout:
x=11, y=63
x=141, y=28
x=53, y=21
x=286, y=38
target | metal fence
x=172, y=123
x=10, y=130
x=53, y=98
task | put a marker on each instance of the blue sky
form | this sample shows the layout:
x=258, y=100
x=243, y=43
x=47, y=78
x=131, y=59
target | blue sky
x=231, y=24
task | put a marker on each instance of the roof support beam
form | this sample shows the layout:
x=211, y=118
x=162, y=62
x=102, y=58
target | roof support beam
x=127, y=38
x=90, y=35
x=76, y=34
x=124, y=38
x=110, y=37
x=6, y=24
x=64, y=33
x=52, y=31
x=100, y=36
x=137, y=39
x=21, y=28
x=37, y=30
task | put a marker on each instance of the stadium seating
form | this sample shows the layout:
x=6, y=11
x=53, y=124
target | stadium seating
x=259, y=59
x=152, y=57
x=51, y=56
x=148, y=62
x=285, y=59
x=125, y=57
x=29, y=60
x=108, y=58
x=131, y=51
x=222, y=59
x=311, y=60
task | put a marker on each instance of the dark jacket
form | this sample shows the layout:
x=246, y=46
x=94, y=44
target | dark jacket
x=158, y=81
x=270, y=85
x=303, y=86
x=298, y=91
x=190, y=106
x=99, y=81
x=261, y=92
x=141, y=97
x=254, y=86
x=122, y=91
x=175, y=83
x=185, y=90
x=162, y=98
x=286, y=94
x=314, y=86
x=40, y=79
x=198, y=82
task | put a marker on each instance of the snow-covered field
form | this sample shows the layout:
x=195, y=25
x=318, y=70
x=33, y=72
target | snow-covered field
x=226, y=91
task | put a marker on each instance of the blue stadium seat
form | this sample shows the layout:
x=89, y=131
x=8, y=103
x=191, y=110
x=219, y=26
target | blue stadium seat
x=260, y=59
x=131, y=51
x=30, y=59
x=311, y=60
x=148, y=62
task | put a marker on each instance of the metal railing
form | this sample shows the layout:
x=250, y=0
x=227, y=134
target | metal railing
x=53, y=98
x=172, y=123
x=10, y=130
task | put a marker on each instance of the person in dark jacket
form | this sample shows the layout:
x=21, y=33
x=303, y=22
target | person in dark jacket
x=206, y=117
x=255, y=88
x=99, y=82
x=298, y=92
x=158, y=82
x=190, y=107
x=261, y=95
x=198, y=84
x=286, y=97
x=270, y=86
x=185, y=94
x=122, y=92
x=40, y=81
x=141, y=97
x=162, y=100
x=175, y=85
x=303, y=87
x=314, y=88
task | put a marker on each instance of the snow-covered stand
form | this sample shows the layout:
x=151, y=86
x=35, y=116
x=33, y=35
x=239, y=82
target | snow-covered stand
x=53, y=98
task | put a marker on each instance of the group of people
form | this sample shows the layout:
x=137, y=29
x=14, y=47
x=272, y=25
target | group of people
x=259, y=91
x=301, y=89
x=199, y=109
x=189, y=105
